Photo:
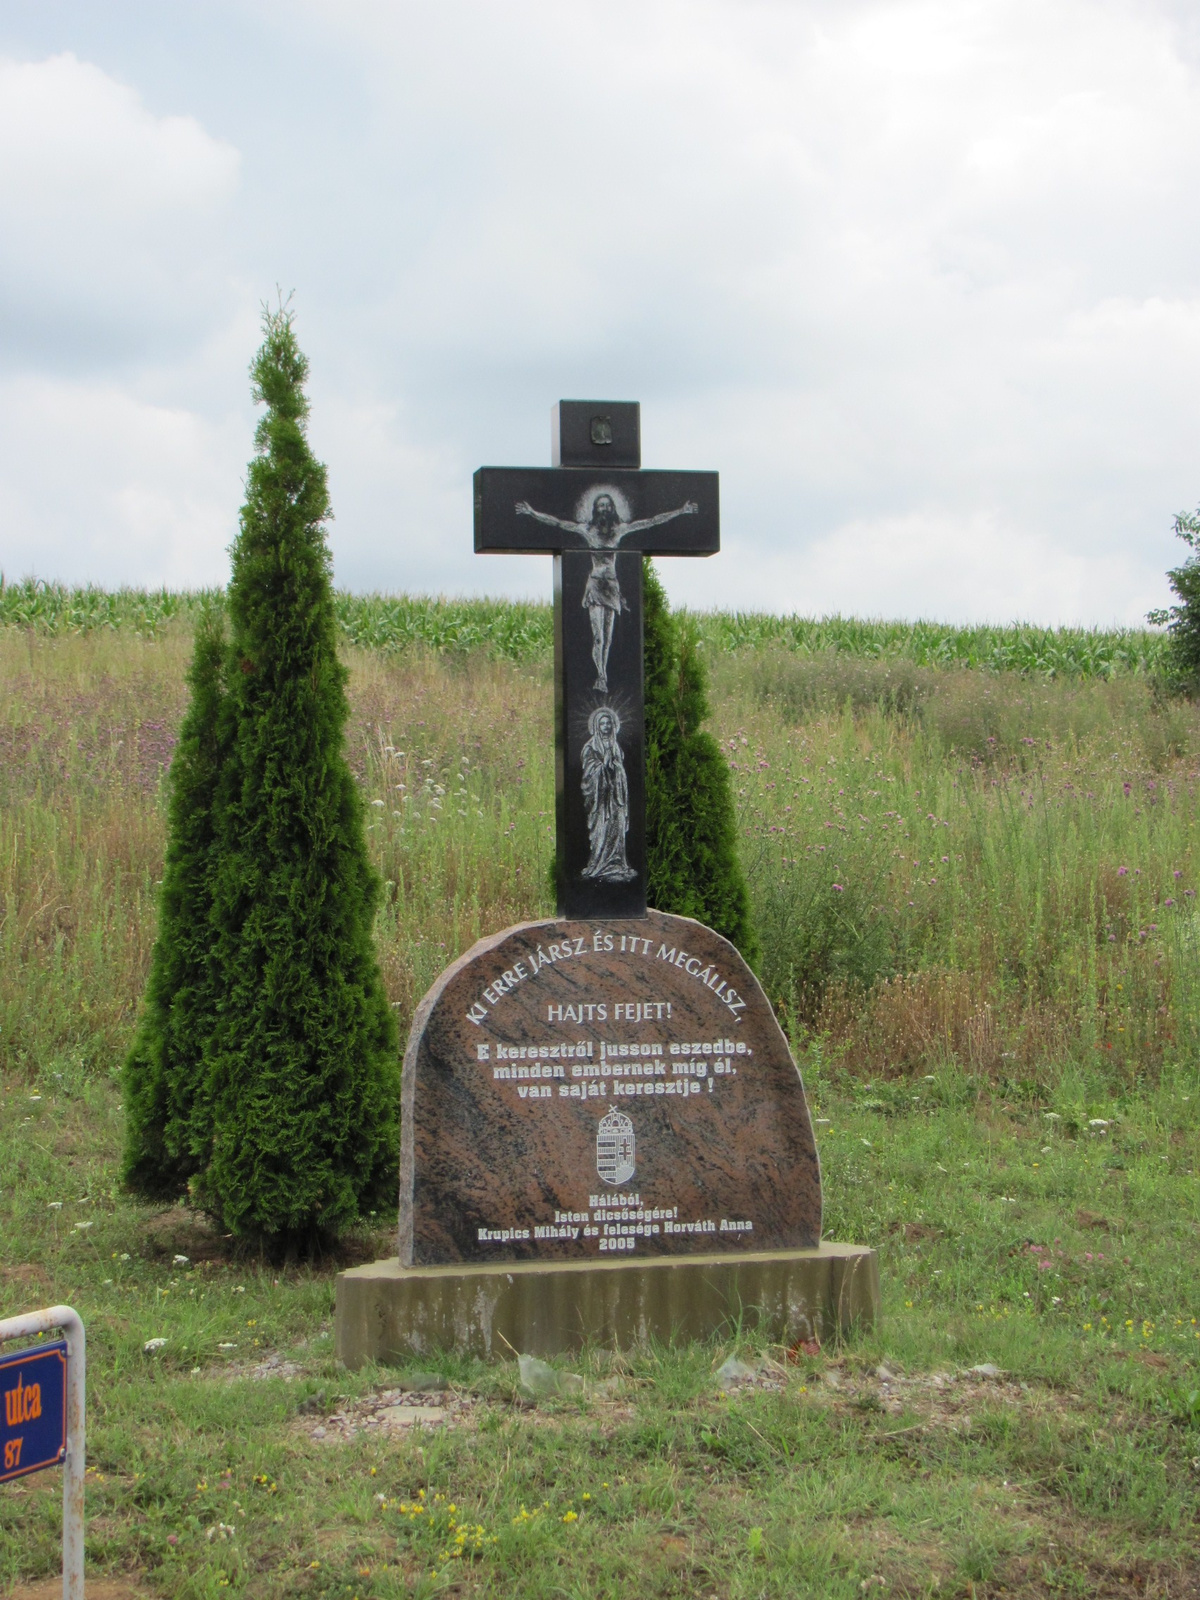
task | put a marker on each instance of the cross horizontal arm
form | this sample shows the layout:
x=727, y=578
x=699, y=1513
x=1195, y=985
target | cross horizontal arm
x=531, y=509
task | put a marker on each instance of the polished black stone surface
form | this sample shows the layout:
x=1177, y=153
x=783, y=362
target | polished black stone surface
x=569, y=496
x=598, y=514
x=596, y=433
x=601, y=834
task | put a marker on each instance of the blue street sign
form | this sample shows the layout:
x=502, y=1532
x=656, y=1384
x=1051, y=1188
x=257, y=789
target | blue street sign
x=33, y=1421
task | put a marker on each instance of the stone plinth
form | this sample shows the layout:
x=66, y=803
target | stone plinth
x=389, y=1313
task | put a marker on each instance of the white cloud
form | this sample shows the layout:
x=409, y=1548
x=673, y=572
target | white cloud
x=112, y=218
x=112, y=258
x=101, y=487
x=393, y=499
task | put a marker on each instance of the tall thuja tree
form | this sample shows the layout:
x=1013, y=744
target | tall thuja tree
x=303, y=1068
x=691, y=824
x=166, y=1107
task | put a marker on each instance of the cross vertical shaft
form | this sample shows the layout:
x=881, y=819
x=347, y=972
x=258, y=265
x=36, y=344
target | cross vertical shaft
x=598, y=663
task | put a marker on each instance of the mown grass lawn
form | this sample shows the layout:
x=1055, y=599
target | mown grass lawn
x=1055, y=1242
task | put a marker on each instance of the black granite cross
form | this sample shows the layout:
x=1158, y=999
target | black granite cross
x=599, y=514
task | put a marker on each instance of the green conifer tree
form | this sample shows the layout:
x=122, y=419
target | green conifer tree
x=165, y=1104
x=303, y=1065
x=692, y=865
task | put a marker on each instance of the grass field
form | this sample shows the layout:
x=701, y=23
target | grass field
x=977, y=891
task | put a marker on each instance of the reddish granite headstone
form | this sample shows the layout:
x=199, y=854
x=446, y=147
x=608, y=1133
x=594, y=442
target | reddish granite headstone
x=595, y=1090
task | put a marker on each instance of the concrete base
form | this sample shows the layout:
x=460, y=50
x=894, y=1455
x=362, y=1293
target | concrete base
x=390, y=1313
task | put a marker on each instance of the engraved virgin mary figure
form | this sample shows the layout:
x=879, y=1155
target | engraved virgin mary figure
x=606, y=796
x=602, y=526
x=615, y=1148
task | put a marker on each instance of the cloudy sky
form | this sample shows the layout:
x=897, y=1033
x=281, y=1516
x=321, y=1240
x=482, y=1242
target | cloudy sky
x=919, y=277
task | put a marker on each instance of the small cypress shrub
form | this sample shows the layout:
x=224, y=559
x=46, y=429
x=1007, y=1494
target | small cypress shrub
x=303, y=1066
x=1183, y=620
x=166, y=1123
x=693, y=868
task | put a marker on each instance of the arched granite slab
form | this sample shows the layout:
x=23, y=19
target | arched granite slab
x=535, y=1036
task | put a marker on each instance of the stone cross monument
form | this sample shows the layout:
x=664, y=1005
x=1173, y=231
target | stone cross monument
x=603, y=1133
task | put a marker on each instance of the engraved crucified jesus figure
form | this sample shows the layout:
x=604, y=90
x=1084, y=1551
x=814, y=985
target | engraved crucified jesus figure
x=603, y=532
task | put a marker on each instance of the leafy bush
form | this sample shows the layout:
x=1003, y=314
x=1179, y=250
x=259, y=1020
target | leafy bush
x=1182, y=661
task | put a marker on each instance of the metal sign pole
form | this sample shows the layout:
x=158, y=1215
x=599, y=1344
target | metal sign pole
x=73, y=1461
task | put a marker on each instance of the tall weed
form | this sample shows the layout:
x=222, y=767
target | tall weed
x=1006, y=905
